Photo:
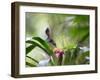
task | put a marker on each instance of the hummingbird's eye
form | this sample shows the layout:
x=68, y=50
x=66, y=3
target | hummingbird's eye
x=47, y=32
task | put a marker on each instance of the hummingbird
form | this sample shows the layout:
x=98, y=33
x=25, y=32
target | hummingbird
x=49, y=39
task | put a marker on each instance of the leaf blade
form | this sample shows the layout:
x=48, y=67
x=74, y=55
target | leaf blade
x=43, y=43
x=35, y=43
x=32, y=59
x=30, y=64
x=29, y=48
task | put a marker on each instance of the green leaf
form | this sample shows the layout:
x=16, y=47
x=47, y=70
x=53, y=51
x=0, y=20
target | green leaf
x=52, y=62
x=32, y=59
x=70, y=56
x=37, y=44
x=30, y=64
x=75, y=52
x=44, y=44
x=81, y=58
x=29, y=48
x=67, y=57
x=47, y=47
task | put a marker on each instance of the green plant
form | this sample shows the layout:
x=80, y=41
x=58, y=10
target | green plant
x=65, y=57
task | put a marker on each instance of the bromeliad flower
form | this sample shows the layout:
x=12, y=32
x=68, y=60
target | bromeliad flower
x=59, y=52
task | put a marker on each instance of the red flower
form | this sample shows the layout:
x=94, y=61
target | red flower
x=59, y=52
